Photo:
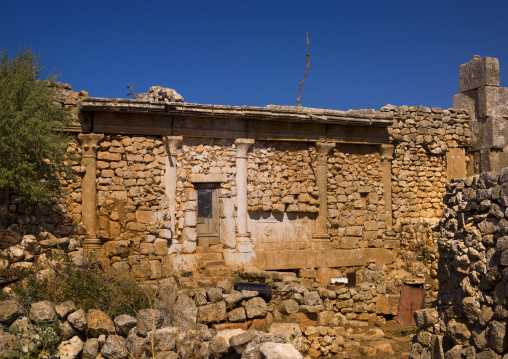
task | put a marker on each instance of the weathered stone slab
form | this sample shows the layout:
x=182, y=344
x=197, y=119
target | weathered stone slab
x=293, y=259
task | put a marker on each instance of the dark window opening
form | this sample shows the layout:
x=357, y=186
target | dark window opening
x=205, y=199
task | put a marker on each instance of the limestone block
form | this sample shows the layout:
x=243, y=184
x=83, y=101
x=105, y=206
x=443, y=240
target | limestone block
x=146, y=216
x=237, y=315
x=167, y=269
x=155, y=269
x=255, y=308
x=134, y=226
x=42, y=312
x=65, y=308
x=190, y=234
x=479, y=72
x=184, y=262
x=498, y=338
x=292, y=330
x=107, y=173
x=233, y=298
x=118, y=248
x=78, y=320
x=371, y=226
x=99, y=323
x=354, y=231
x=142, y=269
x=425, y=318
x=188, y=246
x=289, y=306
x=387, y=304
x=190, y=206
x=9, y=312
x=161, y=246
x=190, y=218
x=278, y=350
x=70, y=348
x=120, y=269
x=146, y=248
x=215, y=312
x=165, y=233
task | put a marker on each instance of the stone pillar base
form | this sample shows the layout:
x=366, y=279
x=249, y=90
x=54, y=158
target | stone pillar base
x=91, y=245
x=243, y=243
x=321, y=241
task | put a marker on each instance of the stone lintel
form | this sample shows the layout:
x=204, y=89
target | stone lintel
x=296, y=259
x=268, y=113
x=208, y=178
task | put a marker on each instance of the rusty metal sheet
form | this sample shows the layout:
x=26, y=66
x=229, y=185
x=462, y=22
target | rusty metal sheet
x=411, y=299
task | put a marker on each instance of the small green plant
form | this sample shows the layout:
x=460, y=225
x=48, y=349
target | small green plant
x=36, y=340
x=88, y=287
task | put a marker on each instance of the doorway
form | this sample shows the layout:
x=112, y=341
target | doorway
x=208, y=214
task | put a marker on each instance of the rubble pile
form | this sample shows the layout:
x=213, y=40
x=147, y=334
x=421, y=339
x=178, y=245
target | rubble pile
x=471, y=313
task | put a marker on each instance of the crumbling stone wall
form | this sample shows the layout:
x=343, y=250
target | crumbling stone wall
x=203, y=156
x=355, y=197
x=281, y=177
x=133, y=207
x=423, y=139
x=471, y=313
x=62, y=216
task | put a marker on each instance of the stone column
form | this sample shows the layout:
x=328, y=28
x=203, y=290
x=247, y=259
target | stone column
x=386, y=152
x=244, y=243
x=89, y=144
x=171, y=143
x=323, y=148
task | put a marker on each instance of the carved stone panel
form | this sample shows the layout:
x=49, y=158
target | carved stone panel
x=274, y=231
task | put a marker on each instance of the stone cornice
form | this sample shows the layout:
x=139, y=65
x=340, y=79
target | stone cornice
x=270, y=112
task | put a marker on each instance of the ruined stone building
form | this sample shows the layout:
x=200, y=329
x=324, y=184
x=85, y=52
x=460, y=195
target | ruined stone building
x=166, y=186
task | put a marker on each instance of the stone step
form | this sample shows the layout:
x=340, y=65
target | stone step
x=218, y=271
x=211, y=263
x=209, y=257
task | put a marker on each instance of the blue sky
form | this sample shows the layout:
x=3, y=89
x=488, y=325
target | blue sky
x=364, y=54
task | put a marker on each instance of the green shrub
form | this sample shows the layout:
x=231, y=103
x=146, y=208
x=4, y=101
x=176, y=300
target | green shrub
x=88, y=287
x=36, y=341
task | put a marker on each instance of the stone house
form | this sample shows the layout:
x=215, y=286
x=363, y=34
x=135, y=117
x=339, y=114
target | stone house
x=165, y=186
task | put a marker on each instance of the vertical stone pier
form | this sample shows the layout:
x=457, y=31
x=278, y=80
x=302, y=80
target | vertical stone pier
x=487, y=105
x=321, y=234
x=244, y=243
x=171, y=144
x=89, y=143
x=386, y=152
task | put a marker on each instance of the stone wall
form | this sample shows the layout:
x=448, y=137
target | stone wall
x=281, y=177
x=61, y=216
x=424, y=140
x=133, y=208
x=471, y=314
x=355, y=197
x=205, y=157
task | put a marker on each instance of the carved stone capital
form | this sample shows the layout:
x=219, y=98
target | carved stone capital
x=323, y=148
x=171, y=144
x=242, y=146
x=386, y=152
x=90, y=143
